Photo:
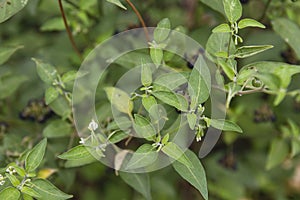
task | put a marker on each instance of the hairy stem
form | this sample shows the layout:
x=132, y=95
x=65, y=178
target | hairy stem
x=68, y=29
x=140, y=19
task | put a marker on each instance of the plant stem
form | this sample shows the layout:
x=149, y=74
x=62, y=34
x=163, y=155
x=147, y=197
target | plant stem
x=68, y=29
x=228, y=48
x=265, y=10
x=140, y=19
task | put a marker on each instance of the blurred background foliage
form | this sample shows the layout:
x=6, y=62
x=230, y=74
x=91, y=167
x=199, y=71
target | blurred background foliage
x=259, y=164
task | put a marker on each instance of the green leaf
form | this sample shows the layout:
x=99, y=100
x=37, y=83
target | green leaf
x=146, y=74
x=192, y=120
x=148, y=102
x=224, y=125
x=27, y=197
x=218, y=42
x=7, y=52
x=119, y=99
x=45, y=71
x=156, y=55
x=216, y=5
x=80, y=162
x=142, y=157
x=195, y=175
x=227, y=68
x=14, y=181
x=35, y=156
x=10, y=193
x=61, y=107
x=143, y=127
x=48, y=191
x=233, y=10
x=118, y=3
x=279, y=150
x=30, y=191
x=222, y=28
x=247, y=51
x=250, y=23
x=117, y=137
x=51, y=94
x=176, y=100
x=162, y=30
x=175, y=152
x=76, y=153
x=10, y=83
x=8, y=8
x=53, y=24
x=199, y=83
x=139, y=182
x=57, y=128
x=171, y=80
x=288, y=31
x=69, y=76
x=270, y=80
x=123, y=123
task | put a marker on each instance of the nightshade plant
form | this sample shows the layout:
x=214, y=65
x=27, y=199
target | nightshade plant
x=151, y=126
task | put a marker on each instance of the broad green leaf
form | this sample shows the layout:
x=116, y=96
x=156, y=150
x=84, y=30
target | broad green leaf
x=279, y=150
x=48, y=191
x=45, y=71
x=7, y=52
x=233, y=10
x=148, y=102
x=123, y=123
x=119, y=99
x=176, y=100
x=51, y=94
x=175, y=152
x=61, y=107
x=216, y=5
x=76, y=153
x=162, y=30
x=10, y=83
x=227, y=68
x=224, y=125
x=247, y=22
x=196, y=175
x=171, y=80
x=80, y=162
x=139, y=182
x=142, y=157
x=8, y=8
x=13, y=180
x=143, y=127
x=57, y=128
x=270, y=80
x=35, y=156
x=118, y=3
x=69, y=76
x=53, y=24
x=30, y=191
x=10, y=193
x=247, y=51
x=27, y=197
x=156, y=55
x=289, y=31
x=146, y=74
x=192, y=120
x=222, y=28
x=218, y=42
x=199, y=83
x=118, y=137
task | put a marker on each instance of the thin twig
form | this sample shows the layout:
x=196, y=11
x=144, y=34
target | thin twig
x=140, y=19
x=265, y=10
x=68, y=29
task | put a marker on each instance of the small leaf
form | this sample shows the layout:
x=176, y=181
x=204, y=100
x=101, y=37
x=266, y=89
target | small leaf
x=7, y=10
x=119, y=99
x=247, y=51
x=250, y=23
x=148, y=102
x=53, y=24
x=30, y=191
x=176, y=100
x=146, y=74
x=118, y=137
x=270, y=80
x=195, y=175
x=76, y=153
x=143, y=127
x=192, y=120
x=162, y=31
x=171, y=80
x=224, y=125
x=48, y=191
x=142, y=157
x=13, y=180
x=123, y=123
x=118, y=3
x=10, y=193
x=278, y=152
x=156, y=55
x=139, y=182
x=222, y=28
x=57, y=128
x=69, y=76
x=45, y=71
x=233, y=10
x=51, y=94
x=7, y=52
x=35, y=156
x=175, y=152
x=227, y=68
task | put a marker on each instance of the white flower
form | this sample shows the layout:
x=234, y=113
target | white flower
x=81, y=141
x=93, y=125
x=2, y=181
x=11, y=170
